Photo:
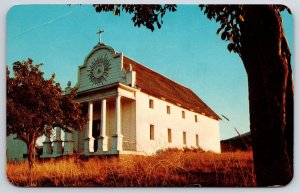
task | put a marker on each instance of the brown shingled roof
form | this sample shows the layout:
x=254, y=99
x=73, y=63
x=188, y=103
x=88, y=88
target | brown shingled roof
x=159, y=86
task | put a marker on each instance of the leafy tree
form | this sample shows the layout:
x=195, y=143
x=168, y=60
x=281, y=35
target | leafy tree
x=35, y=104
x=255, y=32
x=146, y=15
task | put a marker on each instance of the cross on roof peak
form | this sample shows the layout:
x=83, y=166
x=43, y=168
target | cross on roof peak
x=99, y=33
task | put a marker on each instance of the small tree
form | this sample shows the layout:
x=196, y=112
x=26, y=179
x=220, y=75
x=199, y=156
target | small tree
x=35, y=104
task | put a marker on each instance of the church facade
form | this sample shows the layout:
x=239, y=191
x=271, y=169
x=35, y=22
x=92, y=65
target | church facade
x=133, y=110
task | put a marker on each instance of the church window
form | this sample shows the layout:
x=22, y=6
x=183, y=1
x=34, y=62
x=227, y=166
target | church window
x=197, y=140
x=151, y=104
x=169, y=136
x=183, y=114
x=168, y=109
x=196, y=118
x=151, y=132
x=184, y=138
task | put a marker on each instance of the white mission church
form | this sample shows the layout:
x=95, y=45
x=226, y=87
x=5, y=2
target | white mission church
x=132, y=110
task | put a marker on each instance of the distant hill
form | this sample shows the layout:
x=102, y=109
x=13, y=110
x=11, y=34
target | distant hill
x=242, y=143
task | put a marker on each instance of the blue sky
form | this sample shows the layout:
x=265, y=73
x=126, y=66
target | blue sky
x=186, y=49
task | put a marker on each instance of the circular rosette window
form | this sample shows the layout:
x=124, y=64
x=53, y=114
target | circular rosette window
x=98, y=70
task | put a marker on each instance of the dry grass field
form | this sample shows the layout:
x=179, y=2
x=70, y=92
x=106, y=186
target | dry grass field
x=169, y=168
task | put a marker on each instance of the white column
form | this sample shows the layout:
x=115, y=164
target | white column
x=89, y=140
x=103, y=118
x=57, y=143
x=118, y=138
x=102, y=141
x=118, y=115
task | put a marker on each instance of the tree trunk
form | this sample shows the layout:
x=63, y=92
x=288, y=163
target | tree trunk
x=31, y=153
x=266, y=57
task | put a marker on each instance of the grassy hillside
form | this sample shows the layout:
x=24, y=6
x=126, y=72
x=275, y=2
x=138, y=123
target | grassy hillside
x=169, y=168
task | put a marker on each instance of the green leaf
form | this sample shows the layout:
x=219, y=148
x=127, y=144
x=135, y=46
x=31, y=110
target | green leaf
x=230, y=47
x=218, y=18
x=219, y=30
x=158, y=25
x=224, y=35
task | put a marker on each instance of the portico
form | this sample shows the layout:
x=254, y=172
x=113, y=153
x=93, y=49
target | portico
x=111, y=119
x=100, y=136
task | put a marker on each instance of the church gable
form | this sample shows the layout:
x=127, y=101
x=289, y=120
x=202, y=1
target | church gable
x=103, y=66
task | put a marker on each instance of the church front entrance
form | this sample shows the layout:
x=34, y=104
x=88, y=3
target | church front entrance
x=96, y=133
